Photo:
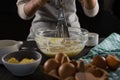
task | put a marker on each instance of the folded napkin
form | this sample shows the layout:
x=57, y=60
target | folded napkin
x=110, y=45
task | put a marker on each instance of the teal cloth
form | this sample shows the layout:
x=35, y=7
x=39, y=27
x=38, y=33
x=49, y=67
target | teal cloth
x=110, y=45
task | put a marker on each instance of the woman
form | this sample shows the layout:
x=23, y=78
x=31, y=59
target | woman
x=45, y=14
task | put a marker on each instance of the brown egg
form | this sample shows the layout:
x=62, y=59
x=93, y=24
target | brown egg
x=100, y=62
x=50, y=64
x=59, y=56
x=65, y=59
x=66, y=70
x=113, y=62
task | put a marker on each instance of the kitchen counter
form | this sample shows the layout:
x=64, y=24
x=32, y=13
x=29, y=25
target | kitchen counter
x=38, y=74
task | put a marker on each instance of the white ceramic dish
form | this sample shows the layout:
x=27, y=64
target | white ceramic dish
x=22, y=69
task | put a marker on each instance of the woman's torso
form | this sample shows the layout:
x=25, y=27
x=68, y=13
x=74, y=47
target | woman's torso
x=46, y=18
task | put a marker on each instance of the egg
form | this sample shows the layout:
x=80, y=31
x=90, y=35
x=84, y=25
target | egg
x=13, y=60
x=65, y=59
x=66, y=69
x=113, y=62
x=59, y=56
x=50, y=64
x=99, y=61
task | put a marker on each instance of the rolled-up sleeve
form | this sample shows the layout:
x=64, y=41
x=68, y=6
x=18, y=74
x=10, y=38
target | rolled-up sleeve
x=20, y=6
x=92, y=12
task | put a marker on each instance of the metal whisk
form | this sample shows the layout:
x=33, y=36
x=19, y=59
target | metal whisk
x=62, y=29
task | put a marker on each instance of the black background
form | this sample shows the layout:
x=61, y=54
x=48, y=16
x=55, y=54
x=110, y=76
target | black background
x=13, y=27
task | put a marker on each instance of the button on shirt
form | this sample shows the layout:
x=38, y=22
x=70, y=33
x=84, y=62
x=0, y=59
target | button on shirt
x=46, y=18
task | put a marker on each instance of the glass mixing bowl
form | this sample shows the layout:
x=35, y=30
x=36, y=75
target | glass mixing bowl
x=50, y=45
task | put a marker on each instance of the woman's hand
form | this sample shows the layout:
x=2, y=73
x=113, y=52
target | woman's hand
x=89, y=4
x=90, y=7
x=32, y=6
x=39, y=3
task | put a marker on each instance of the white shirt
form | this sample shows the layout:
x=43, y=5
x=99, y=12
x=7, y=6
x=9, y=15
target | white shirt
x=46, y=18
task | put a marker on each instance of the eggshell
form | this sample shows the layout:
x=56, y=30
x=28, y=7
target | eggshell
x=81, y=66
x=54, y=73
x=74, y=63
x=96, y=71
x=65, y=59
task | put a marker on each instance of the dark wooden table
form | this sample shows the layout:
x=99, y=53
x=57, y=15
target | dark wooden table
x=38, y=74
